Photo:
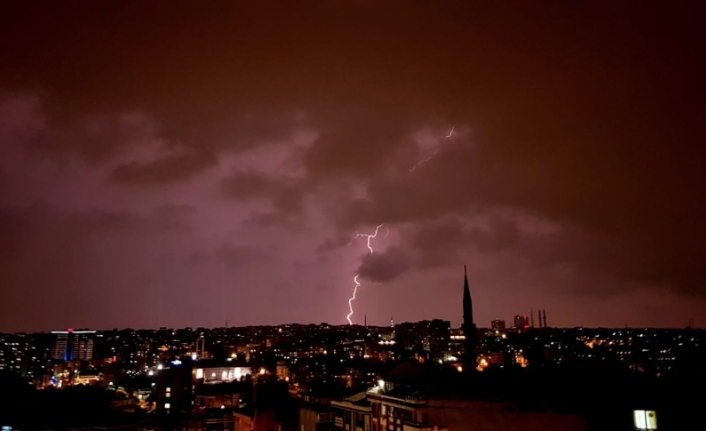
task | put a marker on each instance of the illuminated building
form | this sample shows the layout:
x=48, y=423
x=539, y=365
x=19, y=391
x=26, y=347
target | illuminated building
x=431, y=336
x=215, y=374
x=73, y=345
x=394, y=407
x=352, y=413
x=175, y=388
x=521, y=322
x=282, y=371
x=497, y=325
x=438, y=339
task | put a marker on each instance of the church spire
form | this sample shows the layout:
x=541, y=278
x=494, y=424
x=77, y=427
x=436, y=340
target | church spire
x=467, y=301
x=469, y=329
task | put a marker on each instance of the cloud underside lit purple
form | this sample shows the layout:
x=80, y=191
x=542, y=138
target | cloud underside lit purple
x=186, y=165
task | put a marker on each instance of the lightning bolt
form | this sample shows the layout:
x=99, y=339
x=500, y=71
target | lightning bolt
x=369, y=237
x=438, y=148
x=350, y=301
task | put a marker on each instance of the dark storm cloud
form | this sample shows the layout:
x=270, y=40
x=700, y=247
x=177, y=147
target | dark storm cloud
x=97, y=137
x=607, y=195
x=20, y=222
x=441, y=242
x=162, y=219
x=386, y=266
x=324, y=288
x=166, y=169
x=44, y=253
x=286, y=195
x=601, y=260
x=332, y=244
x=37, y=247
x=236, y=256
x=360, y=146
x=451, y=232
x=585, y=115
x=3, y=183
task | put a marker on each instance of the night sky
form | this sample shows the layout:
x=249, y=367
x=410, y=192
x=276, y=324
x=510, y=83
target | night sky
x=187, y=163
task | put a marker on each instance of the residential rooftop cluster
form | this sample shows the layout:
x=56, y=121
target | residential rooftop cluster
x=409, y=376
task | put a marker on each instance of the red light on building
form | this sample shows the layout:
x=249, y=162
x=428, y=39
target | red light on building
x=70, y=329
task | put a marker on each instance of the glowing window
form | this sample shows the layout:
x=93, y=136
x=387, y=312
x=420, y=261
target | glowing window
x=645, y=419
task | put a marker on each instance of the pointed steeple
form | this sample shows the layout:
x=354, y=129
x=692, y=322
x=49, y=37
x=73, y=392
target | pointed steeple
x=467, y=301
x=469, y=329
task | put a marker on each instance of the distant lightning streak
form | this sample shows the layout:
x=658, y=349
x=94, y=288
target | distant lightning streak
x=438, y=148
x=387, y=232
x=369, y=236
x=355, y=279
x=350, y=301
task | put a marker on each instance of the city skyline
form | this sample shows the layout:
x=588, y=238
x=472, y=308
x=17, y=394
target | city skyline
x=189, y=165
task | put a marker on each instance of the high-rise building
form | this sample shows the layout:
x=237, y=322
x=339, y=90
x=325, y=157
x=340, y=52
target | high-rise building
x=174, y=388
x=469, y=328
x=521, y=321
x=497, y=325
x=439, y=338
x=73, y=345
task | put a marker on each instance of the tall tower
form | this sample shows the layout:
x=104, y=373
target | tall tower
x=469, y=328
x=544, y=317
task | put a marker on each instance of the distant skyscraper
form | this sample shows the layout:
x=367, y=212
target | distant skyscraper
x=497, y=325
x=469, y=328
x=521, y=321
x=73, y=345
x=438, y=338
